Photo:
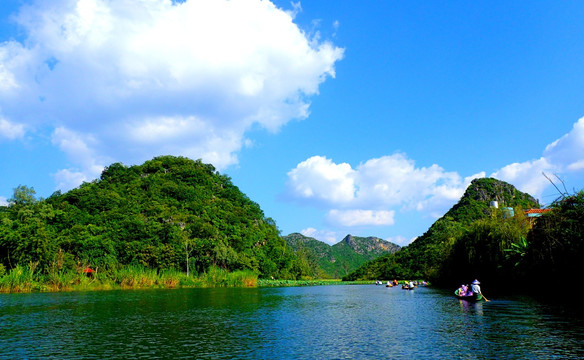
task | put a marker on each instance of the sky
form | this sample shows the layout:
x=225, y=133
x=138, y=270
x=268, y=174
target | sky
x=367, y=118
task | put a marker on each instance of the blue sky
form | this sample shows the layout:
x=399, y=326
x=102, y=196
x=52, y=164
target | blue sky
x=352, y=117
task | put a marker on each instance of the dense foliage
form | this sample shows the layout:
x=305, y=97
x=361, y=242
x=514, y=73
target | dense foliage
x=468, y=241
x=168, y=213
x=555, y=246
x=340, y=259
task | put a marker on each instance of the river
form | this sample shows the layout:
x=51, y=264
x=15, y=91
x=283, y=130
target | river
x=319, y=322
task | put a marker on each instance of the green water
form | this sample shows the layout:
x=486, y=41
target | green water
x=321, y=322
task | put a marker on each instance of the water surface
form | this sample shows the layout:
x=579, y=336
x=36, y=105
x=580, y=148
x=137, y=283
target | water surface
x=320, y=322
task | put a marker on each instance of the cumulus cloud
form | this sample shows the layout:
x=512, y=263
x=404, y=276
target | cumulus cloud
x=79, y=150
x=3, y=201
x=564, y=157
x=10, y=130
x=319, y=179
x=327, y=236
x=358, y=217
x=368, y=194
x=148, y=77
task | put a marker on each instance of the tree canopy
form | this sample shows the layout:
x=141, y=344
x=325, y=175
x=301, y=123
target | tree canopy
x=469, y=240
x=168, y=213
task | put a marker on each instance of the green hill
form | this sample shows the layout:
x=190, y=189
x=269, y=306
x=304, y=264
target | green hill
x=431, y=255
x=340, y=259
x=168, y=213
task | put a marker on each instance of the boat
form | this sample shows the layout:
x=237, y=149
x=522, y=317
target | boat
x=407, y=287
x=473, y=297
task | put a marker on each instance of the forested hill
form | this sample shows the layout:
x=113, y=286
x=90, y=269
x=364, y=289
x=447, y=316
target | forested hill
x=455, y=235
x=163, y=214
x=340, y=259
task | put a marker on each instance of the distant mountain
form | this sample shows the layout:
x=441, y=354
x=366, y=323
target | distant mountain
x=425, y=257
x=342, y=258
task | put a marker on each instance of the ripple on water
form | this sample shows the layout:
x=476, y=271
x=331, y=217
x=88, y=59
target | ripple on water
x=324, y=322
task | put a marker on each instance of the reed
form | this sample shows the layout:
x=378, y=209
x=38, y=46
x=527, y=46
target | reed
x=217, y=277
x=135, y=276
x=284, y=283
x=19, y=279
x=60, y=280
x=242, y=278
x=24, y=279
x=169, y=278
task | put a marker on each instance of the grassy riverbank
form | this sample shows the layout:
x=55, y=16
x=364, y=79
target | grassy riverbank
x=282, y=283
x=24, y=279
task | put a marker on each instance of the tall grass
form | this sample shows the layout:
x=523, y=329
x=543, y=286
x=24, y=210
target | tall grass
x=19, y=279
x=219, y=277
x=134, y=276
x=24, y=279
x=61, y=280
x=284, y=283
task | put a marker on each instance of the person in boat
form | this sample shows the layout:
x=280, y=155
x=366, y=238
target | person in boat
x=475, y=288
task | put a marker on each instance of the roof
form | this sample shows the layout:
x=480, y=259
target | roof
x=536, y=212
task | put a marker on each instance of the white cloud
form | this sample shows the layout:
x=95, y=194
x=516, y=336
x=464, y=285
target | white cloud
x=564, y=157
x=395, y=180
x=568, y=151
x=3, y=201
x=79, y=149
x=368, y=194
x=400, y=240
x=10, y=130
x=319, y=179
x=67, y=179
x=326, y=236
x=150, y=77
x=358, y=217
x=526, y=176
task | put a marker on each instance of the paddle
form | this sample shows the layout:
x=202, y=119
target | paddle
x=484, y=297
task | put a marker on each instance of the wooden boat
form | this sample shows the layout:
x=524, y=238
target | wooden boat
x=406, y=287
x=473, y=297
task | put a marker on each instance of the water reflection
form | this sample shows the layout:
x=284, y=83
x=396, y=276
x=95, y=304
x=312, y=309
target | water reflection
x=324, y=322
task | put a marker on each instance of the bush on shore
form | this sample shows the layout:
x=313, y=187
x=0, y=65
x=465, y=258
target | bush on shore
x=25, y=279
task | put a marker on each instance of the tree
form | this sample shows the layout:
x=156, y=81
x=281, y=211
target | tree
x=188, y=247
x=555, y=245
x=23, y=195
x=170, y=212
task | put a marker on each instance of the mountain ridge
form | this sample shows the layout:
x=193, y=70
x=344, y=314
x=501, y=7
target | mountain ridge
x=339, y=259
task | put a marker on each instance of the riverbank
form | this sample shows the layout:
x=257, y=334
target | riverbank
x=315, y=282
x=25, y=280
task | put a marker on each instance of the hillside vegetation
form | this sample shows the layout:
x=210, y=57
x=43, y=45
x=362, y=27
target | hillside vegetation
x=174, y=221
x=340, y=259
x=468, y=241
x=170, y=213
